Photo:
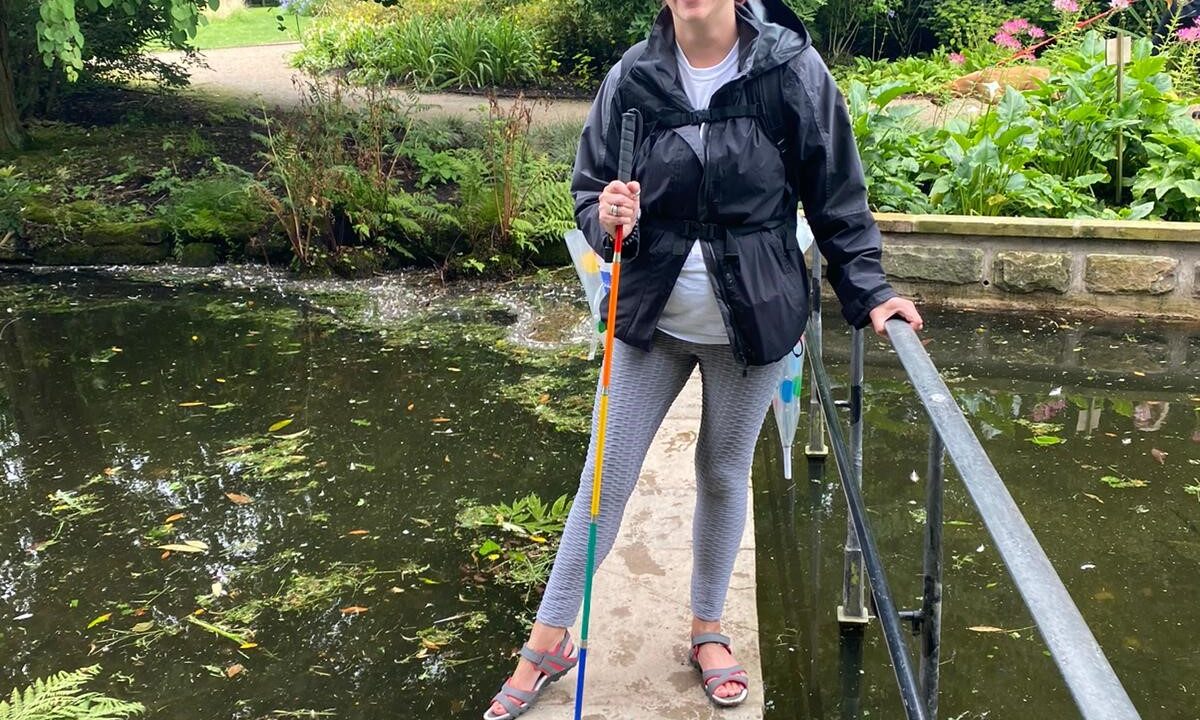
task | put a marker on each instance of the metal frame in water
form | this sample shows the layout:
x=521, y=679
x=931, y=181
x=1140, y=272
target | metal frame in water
x=1095, y=688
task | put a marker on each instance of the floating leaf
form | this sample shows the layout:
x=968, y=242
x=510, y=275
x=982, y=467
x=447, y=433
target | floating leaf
x=440, y=420
x=411, y=406
x=354, y=610
x=1158, y=455
x=144, y=626
x=1094, y=497
x=986, y=629
x=1122, y=482
x=224, y=406
x=358, y=532
x=234, y=670
x=101, y=619
x=1046, y=440
x=192, y=403
x=361, y=423
x=173, y=518
x=187, y=546
x=280, y=425
x=239, y=498
x=248, y=645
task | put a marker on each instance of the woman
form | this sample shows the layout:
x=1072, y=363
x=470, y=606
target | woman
x=711, y=277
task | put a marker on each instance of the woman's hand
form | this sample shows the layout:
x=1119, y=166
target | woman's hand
x=885, y=311
x=619, y=205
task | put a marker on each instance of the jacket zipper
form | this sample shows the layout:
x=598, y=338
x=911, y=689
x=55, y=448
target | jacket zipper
x=739, y=352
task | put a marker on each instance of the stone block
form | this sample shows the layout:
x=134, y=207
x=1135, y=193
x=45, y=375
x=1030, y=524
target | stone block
x=1131, y=274
x=1196, y=281
x=198, y=255
x=1025, y=272
x=80, y=254
x=950, y=265
x=148, y=232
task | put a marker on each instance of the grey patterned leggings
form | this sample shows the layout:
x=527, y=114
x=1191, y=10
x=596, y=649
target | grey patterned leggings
x=644, y=384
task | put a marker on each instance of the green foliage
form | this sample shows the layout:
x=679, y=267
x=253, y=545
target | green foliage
x=61, y=697
x=428, y=51
x=891, y=145
x=520, y=551
x=1171, y=177
x=216, y=208
x=966, y=23
x=333, y=178
x=1048, y=152
x=15, y=193
x=511, y=197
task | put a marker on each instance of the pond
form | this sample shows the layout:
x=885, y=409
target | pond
x=306, y=475
x=315, y=472
x=1112, y=491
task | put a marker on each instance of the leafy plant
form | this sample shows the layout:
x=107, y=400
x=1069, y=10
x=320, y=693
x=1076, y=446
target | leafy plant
x=61, y=697
x=523, y=552
x=891, y=146
x=220, y=207
x=15, y=192
x=1171, y=176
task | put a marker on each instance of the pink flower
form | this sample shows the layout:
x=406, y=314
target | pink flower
x=1190, y=34
x=959, y=59
x=1036, y=32
x=1006, y=40
x=1120, y=4
x=1014, y=26
x=1066, y=6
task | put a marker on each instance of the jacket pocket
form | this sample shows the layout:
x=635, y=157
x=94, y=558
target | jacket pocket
x=767, y=297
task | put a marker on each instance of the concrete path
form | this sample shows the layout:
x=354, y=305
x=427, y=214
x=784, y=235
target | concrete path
x=263, y=73
x=637, y=663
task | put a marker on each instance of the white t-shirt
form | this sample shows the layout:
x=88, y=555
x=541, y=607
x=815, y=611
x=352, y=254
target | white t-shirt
x=691, y=313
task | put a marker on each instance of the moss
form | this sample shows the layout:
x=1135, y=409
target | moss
x=80, y=254
x=146, y=232
x=198, y=254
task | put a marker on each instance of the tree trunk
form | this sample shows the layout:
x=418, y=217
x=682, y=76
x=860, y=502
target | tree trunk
x=12, y=136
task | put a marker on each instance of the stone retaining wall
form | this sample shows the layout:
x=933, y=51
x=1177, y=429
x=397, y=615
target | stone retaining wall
x=1118, y=267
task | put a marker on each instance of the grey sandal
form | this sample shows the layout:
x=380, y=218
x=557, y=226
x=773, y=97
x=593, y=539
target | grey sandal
x=552, y=664
x=715, y=678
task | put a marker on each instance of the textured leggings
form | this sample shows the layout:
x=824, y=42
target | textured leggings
x=644, y=384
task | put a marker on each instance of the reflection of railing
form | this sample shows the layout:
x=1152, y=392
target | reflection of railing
x=1094, y=686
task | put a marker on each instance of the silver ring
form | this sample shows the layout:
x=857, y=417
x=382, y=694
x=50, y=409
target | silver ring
x=614, y=210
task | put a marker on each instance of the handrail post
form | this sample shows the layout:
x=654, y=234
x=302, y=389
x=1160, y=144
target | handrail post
x=853, y=609
x=931, y=605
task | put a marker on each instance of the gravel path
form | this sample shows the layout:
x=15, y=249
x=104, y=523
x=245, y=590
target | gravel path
x=262, y=73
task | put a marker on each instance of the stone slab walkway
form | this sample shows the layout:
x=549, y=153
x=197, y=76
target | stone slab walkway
x=263, y=73
x=637, y=664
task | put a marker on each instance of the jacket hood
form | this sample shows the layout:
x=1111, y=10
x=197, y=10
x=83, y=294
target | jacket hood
x=770, y=35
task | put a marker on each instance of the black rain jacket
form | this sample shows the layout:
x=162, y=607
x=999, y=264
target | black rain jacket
x=733, y=192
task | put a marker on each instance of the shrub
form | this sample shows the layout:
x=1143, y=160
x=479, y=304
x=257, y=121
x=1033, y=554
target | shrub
x=381, y=44
x=15, y=193
x=219, y=208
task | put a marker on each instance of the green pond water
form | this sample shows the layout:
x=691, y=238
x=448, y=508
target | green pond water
x=331, y=544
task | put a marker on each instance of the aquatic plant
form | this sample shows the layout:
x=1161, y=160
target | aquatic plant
x=61, y=697
x=269, y=457
x=522, y=553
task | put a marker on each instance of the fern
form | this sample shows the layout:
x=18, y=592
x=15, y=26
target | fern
x=61, y=697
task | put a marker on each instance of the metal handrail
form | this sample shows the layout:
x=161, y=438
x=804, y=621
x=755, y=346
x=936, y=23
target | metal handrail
x=1098, y=693
x=1093, y=685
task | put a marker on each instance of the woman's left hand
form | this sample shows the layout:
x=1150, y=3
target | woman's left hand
x=903, y=307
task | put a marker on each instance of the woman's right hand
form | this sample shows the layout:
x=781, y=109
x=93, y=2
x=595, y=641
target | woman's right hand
x=619, y=205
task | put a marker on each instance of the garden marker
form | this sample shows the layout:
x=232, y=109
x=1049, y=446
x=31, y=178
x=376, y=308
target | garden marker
x=629, y=126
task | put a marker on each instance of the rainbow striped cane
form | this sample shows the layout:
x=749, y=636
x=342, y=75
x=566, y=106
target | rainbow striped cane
x=629, y=126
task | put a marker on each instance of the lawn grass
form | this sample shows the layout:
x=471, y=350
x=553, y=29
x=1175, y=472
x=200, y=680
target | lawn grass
x=251, y=26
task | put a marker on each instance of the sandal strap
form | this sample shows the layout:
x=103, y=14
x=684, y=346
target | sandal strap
x=553, y=661
x=506, y=698
x=705, y=638
x=717, y=677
